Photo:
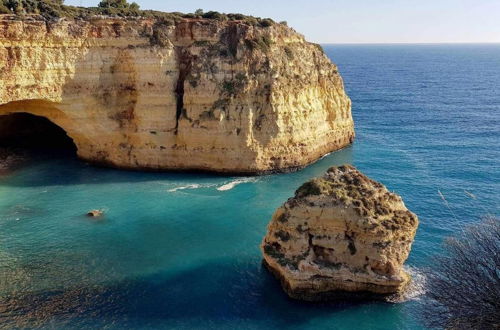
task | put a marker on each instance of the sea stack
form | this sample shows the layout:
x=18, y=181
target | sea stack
x=232, y=96
x=343, y=235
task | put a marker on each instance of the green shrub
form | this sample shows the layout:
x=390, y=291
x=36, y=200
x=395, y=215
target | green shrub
x=120, y=8
x=262, y=43
x=202, y=43
x=235, y=86
x=229, y=87
x=214, y=15
x=113, y=4
x=314, y=187
x=119, y=4
x=267, y=22
x=47, y=8
x=56, y=8
x=4, y=9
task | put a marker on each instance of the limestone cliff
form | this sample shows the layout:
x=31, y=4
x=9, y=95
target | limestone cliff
x=341, y=233
x=198, y=94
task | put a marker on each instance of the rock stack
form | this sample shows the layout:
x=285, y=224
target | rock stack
x=342, y=234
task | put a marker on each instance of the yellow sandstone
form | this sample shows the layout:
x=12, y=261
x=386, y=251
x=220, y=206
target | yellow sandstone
x=342, y=235
x=197, y=95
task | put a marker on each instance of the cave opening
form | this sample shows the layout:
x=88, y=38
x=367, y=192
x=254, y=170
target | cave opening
x=33, y=135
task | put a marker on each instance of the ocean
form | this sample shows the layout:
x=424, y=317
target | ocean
x=182, y=250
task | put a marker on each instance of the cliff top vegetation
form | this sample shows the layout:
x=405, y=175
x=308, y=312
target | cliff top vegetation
x=54, y=9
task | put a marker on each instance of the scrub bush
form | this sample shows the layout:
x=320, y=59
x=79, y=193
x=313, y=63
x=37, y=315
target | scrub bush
x=463, y=286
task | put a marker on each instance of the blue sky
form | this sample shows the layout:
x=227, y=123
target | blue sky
x=361, y=21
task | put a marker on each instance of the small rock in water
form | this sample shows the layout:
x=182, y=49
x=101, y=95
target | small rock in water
x=95, y=213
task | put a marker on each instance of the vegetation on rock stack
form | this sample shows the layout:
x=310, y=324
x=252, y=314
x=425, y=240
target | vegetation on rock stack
x=51, y=9
x=342, y=235
x=3, y=8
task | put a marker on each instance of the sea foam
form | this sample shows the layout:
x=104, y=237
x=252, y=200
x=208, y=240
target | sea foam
x=232, y=184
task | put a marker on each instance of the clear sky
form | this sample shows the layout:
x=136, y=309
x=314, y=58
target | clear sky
x=360, y=21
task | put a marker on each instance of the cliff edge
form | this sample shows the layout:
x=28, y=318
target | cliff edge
x=190, y=94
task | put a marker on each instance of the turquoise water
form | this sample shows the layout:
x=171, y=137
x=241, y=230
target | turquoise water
x=182, y=250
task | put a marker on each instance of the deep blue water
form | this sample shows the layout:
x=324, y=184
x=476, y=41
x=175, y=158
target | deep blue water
x=427, y=120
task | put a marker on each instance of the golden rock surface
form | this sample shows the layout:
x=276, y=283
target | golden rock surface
x=197, y=95
x=342, y=233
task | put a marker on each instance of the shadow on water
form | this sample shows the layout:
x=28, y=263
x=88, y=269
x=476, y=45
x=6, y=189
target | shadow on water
x=28, y=139
x=214, y=291
x=65, y=169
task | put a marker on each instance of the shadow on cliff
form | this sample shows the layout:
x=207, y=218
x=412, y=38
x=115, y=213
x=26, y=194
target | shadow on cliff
x=231, y=293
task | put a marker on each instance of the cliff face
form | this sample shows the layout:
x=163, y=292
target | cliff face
x=342, y=234
x=200, y=94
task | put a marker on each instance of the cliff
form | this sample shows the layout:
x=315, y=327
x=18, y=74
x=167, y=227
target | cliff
x=195, y=94
x=342, y=235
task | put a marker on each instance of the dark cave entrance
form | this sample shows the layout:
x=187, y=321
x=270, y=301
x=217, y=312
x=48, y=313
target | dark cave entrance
x=27, y=134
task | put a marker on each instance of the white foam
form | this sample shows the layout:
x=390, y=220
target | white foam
x=415, y=289
x=189, y=186
x=324, y=156
x=232, y=184
x=220, y=187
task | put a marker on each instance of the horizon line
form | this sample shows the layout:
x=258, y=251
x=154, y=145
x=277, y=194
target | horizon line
x=415, y=43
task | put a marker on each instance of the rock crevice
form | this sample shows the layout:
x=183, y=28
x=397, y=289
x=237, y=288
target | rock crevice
x=185, y=63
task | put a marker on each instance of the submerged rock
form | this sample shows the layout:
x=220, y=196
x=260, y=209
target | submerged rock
x=342, y=235
x=95, y=213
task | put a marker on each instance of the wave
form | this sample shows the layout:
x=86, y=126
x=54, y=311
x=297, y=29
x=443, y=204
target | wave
x=415, y=289
x=220, y=186
x=189, y=186
x=326, y=155
x=232, y=184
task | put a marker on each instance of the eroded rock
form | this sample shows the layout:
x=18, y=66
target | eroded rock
x=197, y=94
x=342, y=234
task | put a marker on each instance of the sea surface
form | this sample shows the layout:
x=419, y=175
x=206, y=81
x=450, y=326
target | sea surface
x=182, y=250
